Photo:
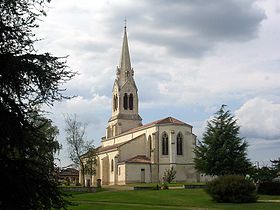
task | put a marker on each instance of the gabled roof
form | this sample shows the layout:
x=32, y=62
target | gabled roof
x=128, y=82
x=168, y=120
x=164, y=121
x=138, y=159
x=69, y=172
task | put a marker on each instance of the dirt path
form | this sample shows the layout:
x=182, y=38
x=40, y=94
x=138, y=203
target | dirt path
x=269, y=201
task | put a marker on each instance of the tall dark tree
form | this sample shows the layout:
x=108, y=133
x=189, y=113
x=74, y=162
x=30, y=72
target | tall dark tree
x=28, y=80
x=222, y=151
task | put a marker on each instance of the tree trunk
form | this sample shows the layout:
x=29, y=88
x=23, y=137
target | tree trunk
x=82, y=174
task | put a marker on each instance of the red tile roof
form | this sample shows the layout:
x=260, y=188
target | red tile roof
x=167, y=120
x=138, y=159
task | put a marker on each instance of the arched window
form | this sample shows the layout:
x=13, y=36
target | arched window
x=125, y=100
x=164, y=144
x=112, y=165
x=130, y=101
x=115, y=102
x=179, y=144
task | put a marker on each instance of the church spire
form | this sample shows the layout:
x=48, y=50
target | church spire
x=125, y=114
x=125, y=64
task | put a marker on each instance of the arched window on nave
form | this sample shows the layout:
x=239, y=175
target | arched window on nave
x=179, y=144
x=164, y=144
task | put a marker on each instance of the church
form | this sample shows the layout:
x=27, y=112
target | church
x=131, y=152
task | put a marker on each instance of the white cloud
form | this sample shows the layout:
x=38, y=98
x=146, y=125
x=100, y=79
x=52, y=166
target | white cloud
x=259, y=118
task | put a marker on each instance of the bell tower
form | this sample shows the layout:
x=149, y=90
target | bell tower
x=125, y=114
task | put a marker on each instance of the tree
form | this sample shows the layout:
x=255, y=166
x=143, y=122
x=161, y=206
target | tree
x=276, y=164
x=169, y=175
x=264, y=174
x=81, y=152
x=222, y=151
x=28, y=80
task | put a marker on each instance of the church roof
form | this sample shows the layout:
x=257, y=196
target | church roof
x=167, y=120
x=138, y=159
x=115, y=146
x=107, y=148
x=69, y=172
x=164, y=121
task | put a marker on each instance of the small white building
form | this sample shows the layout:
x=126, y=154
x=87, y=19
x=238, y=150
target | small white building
x=132, y=152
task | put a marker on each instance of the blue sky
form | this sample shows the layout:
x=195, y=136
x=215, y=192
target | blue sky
x=189, y=58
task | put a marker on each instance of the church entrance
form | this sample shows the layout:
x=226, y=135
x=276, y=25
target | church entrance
x=142, y=175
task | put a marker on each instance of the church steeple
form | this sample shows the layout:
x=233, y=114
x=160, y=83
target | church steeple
x=124, y=71
x=124, y=96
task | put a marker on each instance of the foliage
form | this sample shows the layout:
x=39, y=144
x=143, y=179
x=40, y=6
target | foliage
x=276, y=164
x=269, y=188
x=90, y=161
x=169, y=175
x=222, y=150
x=27, y=81
x=81, y=152
x=263, y=174
x=232, y=189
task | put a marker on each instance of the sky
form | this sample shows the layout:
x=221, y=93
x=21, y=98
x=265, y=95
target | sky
x=189, y=58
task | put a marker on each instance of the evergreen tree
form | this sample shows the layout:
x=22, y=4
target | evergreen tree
x=222, y=150
x=28, y=80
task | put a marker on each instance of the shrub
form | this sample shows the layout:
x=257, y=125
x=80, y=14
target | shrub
x=169, y=175
x=232, y=189
x=269, y=188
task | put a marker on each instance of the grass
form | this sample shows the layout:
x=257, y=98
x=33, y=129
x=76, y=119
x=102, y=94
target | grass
x=173, y=184
x=161, y=199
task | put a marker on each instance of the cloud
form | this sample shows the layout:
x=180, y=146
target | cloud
x=93, y=112
x=190, y=28
x=259, y=119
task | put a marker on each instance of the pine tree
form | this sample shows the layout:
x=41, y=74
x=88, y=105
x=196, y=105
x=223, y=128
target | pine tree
x=222, y=151
x=28, y=81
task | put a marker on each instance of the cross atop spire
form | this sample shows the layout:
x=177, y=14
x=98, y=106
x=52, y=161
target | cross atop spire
x=125, y=22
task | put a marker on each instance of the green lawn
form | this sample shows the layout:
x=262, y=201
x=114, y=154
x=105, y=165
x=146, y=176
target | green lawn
x=173, y=184
x=161, y=199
